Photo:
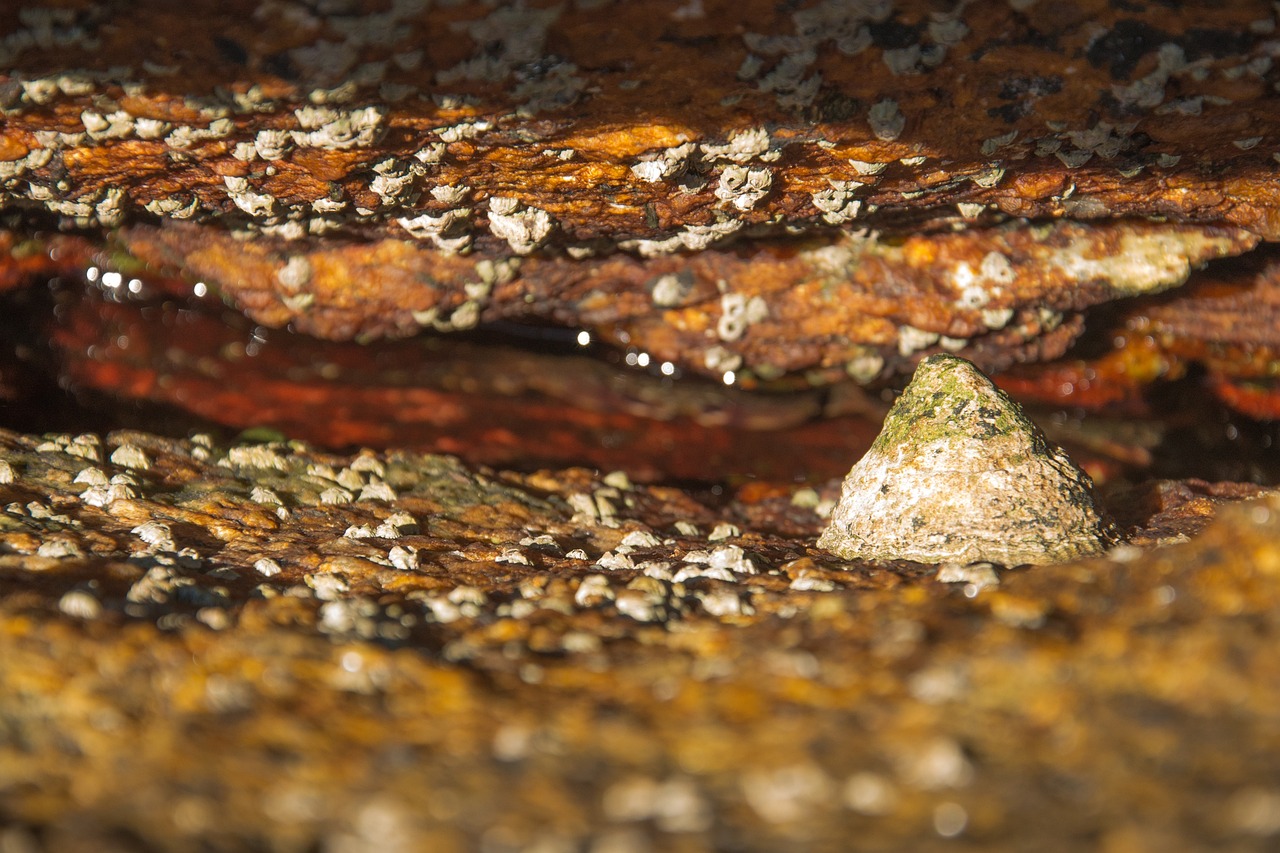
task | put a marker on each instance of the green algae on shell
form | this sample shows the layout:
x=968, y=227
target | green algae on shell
x=960, y=474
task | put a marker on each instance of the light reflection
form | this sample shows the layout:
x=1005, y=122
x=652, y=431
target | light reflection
x=643, y=359
x=729, y=377
x=200, y=289
x=112, y=280
x=584, y=338
x=668, y=369
x=91, y=273
x=135, y=285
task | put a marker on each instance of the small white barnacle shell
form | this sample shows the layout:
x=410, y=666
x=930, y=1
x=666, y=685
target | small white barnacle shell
x=403, y=557
x=862, y=167
x=92, y=476
x=156, y=534
x=668, y=163
x=743, y=187
x=837, y=202
x=886, y=120
x=272, y=144
x=336, y=495
x=450, y=194
x=988, y=177
x=959, y=474
x=128, y=456
x=523, y=229
x=504, y=205
x=743, y=146
x=263, y=495
x=254, y=456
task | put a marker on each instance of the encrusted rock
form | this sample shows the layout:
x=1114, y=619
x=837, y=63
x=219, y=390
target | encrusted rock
x=959, y=474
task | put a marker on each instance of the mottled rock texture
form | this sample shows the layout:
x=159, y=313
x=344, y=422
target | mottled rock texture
x=208, y=645
x=960, y=474
x=739, y=188
x=265, y=646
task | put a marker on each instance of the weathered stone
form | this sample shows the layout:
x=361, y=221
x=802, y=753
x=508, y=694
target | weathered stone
x=959, y=474
x=431, y=704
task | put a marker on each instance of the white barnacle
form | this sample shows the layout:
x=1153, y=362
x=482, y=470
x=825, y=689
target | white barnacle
x=390, y=187
x=865, y=367
x=397, y=524
x=742, y=146
x=447, y=230
x=837, y=202
x=267, y=567
x=996, y=318
x=862, y=167
x=970, y=210
x=377, y=490
x=173, y=207
x=668, y=291
x=694, y=238
x=325, y=127
x=733, y=317
x=911, y=339
x=450, y=194
x=110, y=209
x=724, y=530
x=513, y=557
x=335, y=495
x=523, y=229
x=988, y=177
x=743, y=187
x=403, y=557
x=717, y=359
x=887, y=121
x=263, y=495
x=156, y=534
x=129, y=456
x=295, y=274
x=903, y=60
x=91, y=476
x=272, y=144
x=254, y=456
x=996, y=267
x=93, y=122
x=258, y=205
x=668, y=163
x=733, y=558
x=7, y=475
x=504, y=205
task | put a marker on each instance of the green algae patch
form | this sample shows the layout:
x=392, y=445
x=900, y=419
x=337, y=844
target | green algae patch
x=960, y=474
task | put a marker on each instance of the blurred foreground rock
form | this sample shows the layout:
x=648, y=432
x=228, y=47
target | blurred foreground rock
x=265, y=646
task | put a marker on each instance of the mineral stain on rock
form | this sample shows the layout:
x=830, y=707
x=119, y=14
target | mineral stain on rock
x=960, y=474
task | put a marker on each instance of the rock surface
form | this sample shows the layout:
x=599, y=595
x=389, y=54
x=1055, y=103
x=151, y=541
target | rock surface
x=210, y=645
x=415, y=654
x=959, y=474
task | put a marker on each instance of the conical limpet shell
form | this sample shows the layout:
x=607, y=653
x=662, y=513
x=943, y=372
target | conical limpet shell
x=959, y=474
